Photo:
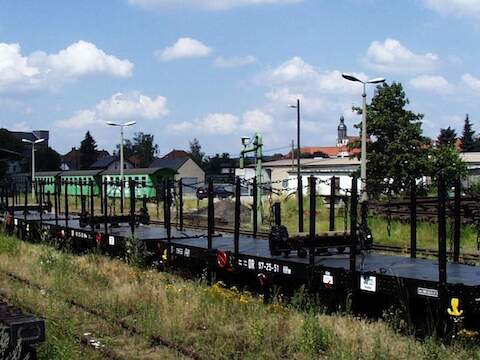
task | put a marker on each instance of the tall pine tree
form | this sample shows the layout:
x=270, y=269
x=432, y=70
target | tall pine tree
x=468, y=136
x=88, y=151
x=196, y=152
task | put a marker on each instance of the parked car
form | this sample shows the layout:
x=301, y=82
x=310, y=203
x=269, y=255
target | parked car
x=202, y=193
x=218, y=191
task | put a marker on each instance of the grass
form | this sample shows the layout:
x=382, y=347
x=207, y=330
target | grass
x=219, y=323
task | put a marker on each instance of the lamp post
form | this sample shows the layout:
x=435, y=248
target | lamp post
x=33, y=143
x=129, y=123
x=363, y=158
x=299, y=177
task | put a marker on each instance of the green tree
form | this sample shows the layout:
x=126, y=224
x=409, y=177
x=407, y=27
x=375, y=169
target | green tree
x=213, y=164
x=444, y=158
x=196, y=152
x=127, y=148
x=397, y=149
x=88, y=151
x=47, y=159
x=145, y=147
x=468, y=136
x=447, y=137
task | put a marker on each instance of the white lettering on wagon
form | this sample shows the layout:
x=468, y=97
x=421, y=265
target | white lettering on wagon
x=182, y=251
x=427, y=292
x=264, y=266
x=79, y=234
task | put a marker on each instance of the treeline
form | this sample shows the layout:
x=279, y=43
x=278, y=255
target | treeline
x=140, y=150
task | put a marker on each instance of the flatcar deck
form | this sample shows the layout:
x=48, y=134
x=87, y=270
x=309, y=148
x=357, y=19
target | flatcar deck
x=389, y=265
x=142, y=232
x=258, y=249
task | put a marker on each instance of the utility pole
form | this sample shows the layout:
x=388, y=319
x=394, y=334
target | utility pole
x=130, y=123
x=299, y=177
x=38, y=141
x=293, y=154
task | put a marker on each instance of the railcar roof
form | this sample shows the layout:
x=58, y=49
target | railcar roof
x=81, y=173
x=140, y=171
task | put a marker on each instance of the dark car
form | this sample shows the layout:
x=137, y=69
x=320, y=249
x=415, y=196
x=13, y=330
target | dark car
x=218, y=191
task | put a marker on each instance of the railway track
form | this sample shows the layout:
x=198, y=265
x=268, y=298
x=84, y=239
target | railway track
x=154, y=340
x=87, y=339
x=427, y=209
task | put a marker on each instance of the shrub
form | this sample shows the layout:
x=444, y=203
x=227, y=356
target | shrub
x=315, y=338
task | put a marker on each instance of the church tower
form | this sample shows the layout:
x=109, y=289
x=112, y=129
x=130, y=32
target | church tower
x=342, y=139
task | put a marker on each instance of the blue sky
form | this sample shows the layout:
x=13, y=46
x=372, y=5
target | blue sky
x=221, y=69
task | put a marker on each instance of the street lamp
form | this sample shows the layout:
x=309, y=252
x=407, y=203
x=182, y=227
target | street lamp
x=299, y=178
x=363, y=159
x=129, y=123
x=33, y=143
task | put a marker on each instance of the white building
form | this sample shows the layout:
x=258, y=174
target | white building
x=472, y=159
x=282, y=174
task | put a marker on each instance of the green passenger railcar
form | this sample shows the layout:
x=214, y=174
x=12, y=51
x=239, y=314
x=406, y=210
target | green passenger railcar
x=47, y=178
x=79, y=182
x=147, y=178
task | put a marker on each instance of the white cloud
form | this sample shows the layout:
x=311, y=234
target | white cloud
x=20, y=73
x=212, y=5
x=311, y=103
x=469, y=8
x=324, y=96
x=433, y=83
x=214, y=123
x=118, y=107
x=226, y=124
x=18, y=126
x=234, y=61
x=393, y=57
x=294, y=69
x=131, y=106
x=183, y=48
x=257, y=121
x=471, y=82
x=80, y=120
x=297, y=73
x=219, y=123
x=15, y=70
